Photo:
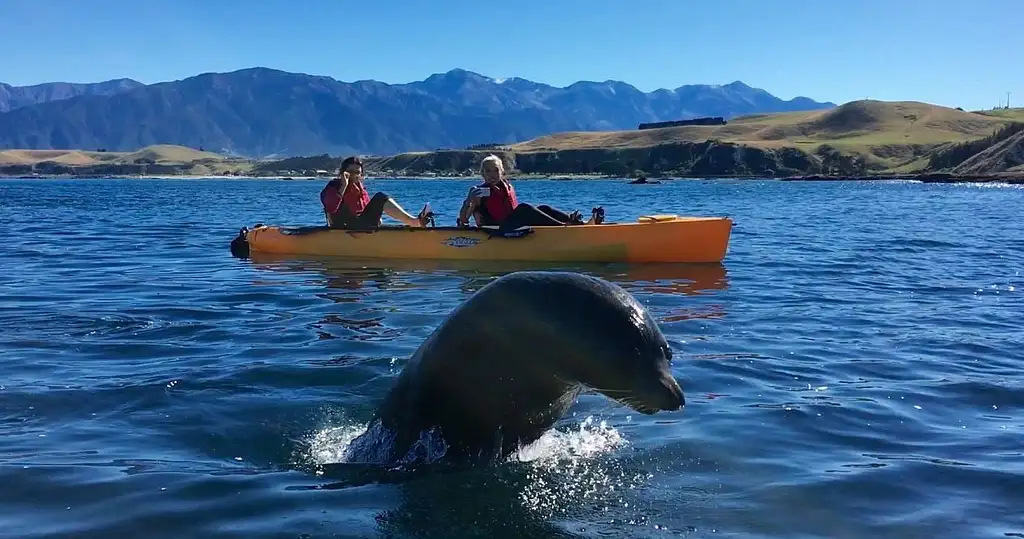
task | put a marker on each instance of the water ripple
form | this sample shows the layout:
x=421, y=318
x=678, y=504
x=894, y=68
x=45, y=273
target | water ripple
x=854, y=369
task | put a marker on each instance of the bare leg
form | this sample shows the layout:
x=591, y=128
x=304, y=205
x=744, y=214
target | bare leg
x=393, y=210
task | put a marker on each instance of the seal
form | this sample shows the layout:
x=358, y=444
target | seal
x=508, y=363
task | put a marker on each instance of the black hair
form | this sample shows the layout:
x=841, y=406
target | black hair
x=352, y=160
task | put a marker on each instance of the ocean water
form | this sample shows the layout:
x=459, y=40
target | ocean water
x=855, y=368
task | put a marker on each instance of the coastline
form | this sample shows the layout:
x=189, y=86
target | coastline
x=887, y=145
x=1013, y=178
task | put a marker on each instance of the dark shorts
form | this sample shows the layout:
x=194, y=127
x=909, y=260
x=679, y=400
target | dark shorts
x=370, y=218
x=527, y=215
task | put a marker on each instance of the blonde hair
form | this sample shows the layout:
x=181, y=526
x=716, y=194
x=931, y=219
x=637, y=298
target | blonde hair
x=492, y=159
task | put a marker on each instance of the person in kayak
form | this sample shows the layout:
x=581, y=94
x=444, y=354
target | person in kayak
x=494, y=203
x=348, y=205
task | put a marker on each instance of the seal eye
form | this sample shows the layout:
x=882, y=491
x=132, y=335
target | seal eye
x=667, y=350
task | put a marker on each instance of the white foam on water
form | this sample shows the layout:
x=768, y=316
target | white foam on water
x=591, y=438
x=565, y=470
x=990, y=185
x=563, y=467
x=329, y=445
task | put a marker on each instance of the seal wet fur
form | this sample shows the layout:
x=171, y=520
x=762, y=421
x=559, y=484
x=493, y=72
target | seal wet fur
x=505, y=365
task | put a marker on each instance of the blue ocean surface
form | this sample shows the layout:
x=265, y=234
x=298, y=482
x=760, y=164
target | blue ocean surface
x=854, y=369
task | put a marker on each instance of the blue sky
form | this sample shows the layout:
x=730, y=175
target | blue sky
x=965, y=54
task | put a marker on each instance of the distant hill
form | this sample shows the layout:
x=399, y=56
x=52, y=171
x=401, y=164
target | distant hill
x=160, y=159
x=1016, y=114
x=860, y=137
x=262, y=112
x=883, y=134
x=14, y=97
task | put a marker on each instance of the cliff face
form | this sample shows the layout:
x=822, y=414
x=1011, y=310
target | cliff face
x=1004, y=156
x=998, y=152
x=441, y=162
x=709, y=158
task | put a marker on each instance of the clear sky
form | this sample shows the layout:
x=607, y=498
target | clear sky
x=947, y=52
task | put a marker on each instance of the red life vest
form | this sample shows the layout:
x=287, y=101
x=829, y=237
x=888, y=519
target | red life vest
x=502, y=200
x=354, y=200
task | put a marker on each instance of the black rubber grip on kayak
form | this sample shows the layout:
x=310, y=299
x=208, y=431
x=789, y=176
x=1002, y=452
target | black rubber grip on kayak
x=240, y=245
x=517, y=233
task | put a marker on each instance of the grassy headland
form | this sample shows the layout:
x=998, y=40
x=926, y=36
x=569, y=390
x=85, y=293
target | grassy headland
x=861, y=138
x=885, y=134
x=1014, y=114
x=160, y=159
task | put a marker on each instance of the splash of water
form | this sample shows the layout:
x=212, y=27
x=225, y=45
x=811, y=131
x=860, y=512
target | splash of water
x=589, y=440
x=566, y=470
x=563, y=470
x=330, y=444
x=335, y=444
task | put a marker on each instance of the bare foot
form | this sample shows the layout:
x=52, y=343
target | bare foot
x=426, y=216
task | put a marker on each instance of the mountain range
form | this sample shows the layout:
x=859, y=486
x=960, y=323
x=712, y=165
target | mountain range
x=260, y=112
x=14, y=97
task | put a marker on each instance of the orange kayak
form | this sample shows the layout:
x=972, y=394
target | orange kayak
x=652, y=238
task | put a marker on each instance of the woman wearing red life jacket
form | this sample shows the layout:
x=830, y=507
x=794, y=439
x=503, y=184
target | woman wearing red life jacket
x=348, y=205
x=494, y=203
